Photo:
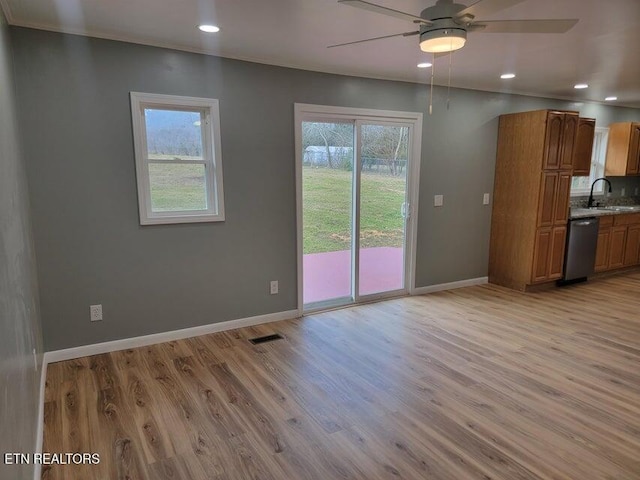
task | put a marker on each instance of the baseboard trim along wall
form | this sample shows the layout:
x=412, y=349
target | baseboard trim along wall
x=142, y=341
x=450, y=286
x=37, y=468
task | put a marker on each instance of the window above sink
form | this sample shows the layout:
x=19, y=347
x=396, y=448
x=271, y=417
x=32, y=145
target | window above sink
x=581, y=186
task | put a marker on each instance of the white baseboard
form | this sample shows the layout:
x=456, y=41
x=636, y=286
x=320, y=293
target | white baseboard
x=37, y=468
x=134, y=342
x=450, y=286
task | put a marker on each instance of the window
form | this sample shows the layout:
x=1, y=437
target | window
x=581, y=186
x=178, y=159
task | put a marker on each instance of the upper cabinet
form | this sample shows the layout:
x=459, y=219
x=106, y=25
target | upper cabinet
x=623, y=150
x=560, y=144
x=584, y=147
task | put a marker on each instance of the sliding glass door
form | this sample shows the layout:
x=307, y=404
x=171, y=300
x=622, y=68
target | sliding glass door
x=354, y=207
x=382, y=208
x=328, y=212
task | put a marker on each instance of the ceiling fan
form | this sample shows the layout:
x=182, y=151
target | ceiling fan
x=444, y=26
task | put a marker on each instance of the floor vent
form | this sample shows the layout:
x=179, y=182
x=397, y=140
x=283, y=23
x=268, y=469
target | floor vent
x=266, y=338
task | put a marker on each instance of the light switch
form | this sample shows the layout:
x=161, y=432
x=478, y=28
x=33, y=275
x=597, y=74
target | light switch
x=438, y=200
x=485, y=199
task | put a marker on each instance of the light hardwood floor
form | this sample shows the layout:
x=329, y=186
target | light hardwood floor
x=476, y=383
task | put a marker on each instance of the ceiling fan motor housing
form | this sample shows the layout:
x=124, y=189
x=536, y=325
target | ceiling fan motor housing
x=444, y=33
x=441, y=10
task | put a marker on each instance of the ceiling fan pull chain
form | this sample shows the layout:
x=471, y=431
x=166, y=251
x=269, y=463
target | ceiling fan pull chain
x=433, y=68
x=449, y=81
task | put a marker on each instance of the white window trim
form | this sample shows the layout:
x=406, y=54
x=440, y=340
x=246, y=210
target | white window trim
x=212, y=158
x=600, y=150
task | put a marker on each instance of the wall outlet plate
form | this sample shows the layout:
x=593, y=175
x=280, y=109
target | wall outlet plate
x=438, y=200
x=485, y=199
x=95, y=312
x=273, y=287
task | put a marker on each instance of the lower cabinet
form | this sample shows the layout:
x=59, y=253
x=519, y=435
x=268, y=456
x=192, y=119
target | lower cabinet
x=618, y=242
x=616, y=247
x=632, y=246
x=548, y=255
x=602, y=252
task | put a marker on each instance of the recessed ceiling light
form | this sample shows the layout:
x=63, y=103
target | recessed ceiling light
x=507, y=76
x=611, y=99
x=209, y=28
x=424, y=65
x=580, y=86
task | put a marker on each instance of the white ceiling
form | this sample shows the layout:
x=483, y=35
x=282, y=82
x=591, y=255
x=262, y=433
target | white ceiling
x=603, y=49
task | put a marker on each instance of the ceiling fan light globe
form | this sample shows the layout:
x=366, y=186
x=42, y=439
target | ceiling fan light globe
x=442, y=40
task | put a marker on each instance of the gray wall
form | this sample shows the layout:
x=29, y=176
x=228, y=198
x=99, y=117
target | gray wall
x=74, y=94
x=19, y=324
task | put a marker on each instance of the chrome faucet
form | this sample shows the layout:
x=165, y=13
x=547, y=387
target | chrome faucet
x=590, y=203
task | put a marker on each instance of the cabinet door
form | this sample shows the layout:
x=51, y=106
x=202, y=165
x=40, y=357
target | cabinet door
x=584, y=147
x=568, y=142
x=547, y=201
x=553, y=141
x=632, y=245
x=617, y=247
x=541, y=254
x=563, y=193
x=558, y=246
x=633, y=163
x=602, y=251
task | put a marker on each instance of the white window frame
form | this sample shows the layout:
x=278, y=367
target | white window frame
x=598, y=158
x=413, y=120
x=211, y=157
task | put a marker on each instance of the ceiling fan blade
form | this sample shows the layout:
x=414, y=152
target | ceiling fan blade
x=372, y=7
x=487, y=7
x=523, y=26
x=405, y=34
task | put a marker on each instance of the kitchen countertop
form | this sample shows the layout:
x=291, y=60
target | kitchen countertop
x=600, y=212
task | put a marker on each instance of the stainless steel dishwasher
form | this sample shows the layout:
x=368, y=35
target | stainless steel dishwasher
x=580, y=256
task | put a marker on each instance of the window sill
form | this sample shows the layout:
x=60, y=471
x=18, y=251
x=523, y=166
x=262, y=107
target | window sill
x=177, y=219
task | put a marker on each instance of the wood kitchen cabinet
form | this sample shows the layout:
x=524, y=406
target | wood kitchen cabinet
x=584, y=147
x=604, y=243
x=560, y=141
x=632, y=246
x=534, y=163
x=548, y=253
x=555, y=189
x=616, y=247
x=618, y=242
x=623, y=149
x=602, y=251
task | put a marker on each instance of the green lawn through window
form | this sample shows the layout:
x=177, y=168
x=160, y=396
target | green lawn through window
x=327, y=210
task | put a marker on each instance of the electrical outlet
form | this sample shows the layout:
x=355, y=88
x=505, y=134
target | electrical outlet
x=35, y=360
x=485, y=199
x=273, y=287
x=438, y=200
x=96, y=312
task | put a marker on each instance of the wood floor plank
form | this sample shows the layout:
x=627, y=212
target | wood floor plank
x=475, y=383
